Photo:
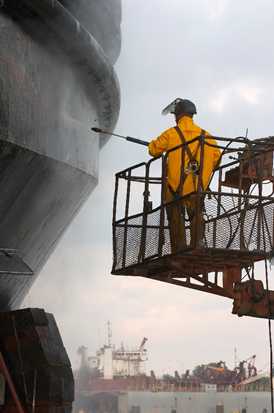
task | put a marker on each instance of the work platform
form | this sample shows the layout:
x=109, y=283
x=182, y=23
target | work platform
x=217, y=248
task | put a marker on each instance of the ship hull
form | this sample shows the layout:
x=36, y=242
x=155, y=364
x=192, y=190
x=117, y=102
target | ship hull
x=55, y=83
x=42, y=196
x=253, y=402
x=166, y=402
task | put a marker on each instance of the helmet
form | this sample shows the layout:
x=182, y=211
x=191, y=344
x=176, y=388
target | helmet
x=180, y=106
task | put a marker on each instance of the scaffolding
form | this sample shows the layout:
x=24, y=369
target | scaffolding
x=232, y=229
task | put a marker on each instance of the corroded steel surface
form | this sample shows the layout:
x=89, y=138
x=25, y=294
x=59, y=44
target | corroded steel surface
x=37, y=362
x=55, y=81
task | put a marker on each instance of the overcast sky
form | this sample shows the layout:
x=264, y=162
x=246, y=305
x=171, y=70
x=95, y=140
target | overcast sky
x=220, y=54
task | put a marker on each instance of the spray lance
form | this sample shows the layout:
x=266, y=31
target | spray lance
x=148, y=205
x=127, y=138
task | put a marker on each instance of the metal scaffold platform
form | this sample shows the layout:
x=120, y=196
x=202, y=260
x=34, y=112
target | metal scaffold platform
x=213, y=250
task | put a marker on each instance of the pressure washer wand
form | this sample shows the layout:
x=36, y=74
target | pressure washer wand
x=127, y=138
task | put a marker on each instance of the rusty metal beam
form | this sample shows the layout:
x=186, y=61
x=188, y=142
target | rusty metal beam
x=4, y=370
x=217, y=290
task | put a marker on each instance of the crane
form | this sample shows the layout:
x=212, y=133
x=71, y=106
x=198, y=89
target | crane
x=142, y=346
x=247, y=368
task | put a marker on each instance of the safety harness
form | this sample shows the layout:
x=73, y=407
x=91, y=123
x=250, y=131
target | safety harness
x=192, y=168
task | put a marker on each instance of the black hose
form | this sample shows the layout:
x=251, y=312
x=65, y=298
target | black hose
x=269, y=326
x=270, y=338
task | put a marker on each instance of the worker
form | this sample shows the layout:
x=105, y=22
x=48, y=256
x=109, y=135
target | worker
x=183, y=170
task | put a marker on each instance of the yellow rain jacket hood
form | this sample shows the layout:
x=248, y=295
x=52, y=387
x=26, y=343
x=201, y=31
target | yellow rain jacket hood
x=170, y=139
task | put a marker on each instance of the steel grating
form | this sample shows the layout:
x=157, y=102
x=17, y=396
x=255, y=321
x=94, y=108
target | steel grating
x=232, y=229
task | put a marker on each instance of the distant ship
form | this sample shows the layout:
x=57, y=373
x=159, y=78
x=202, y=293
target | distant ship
x=56, y=80
x=114, y=380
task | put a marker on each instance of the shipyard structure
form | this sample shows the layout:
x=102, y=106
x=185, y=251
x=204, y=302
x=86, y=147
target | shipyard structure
x=56, y=80
x=115, y=380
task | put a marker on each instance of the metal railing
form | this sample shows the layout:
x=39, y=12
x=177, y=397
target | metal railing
x=235, y=214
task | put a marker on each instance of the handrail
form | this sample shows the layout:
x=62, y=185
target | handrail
x=232, y=214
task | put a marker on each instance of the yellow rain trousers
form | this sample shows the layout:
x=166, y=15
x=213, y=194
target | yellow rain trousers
x=170, y=139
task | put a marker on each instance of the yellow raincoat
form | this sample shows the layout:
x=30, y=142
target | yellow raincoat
x=166, y=141
x=170, y=139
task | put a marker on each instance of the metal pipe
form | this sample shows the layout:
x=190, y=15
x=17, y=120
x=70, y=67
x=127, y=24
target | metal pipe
x=127, y=138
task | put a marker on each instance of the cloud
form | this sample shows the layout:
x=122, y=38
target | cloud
x=219, y=100
x=250, y=94
x=216, y=8
x=241, y=91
